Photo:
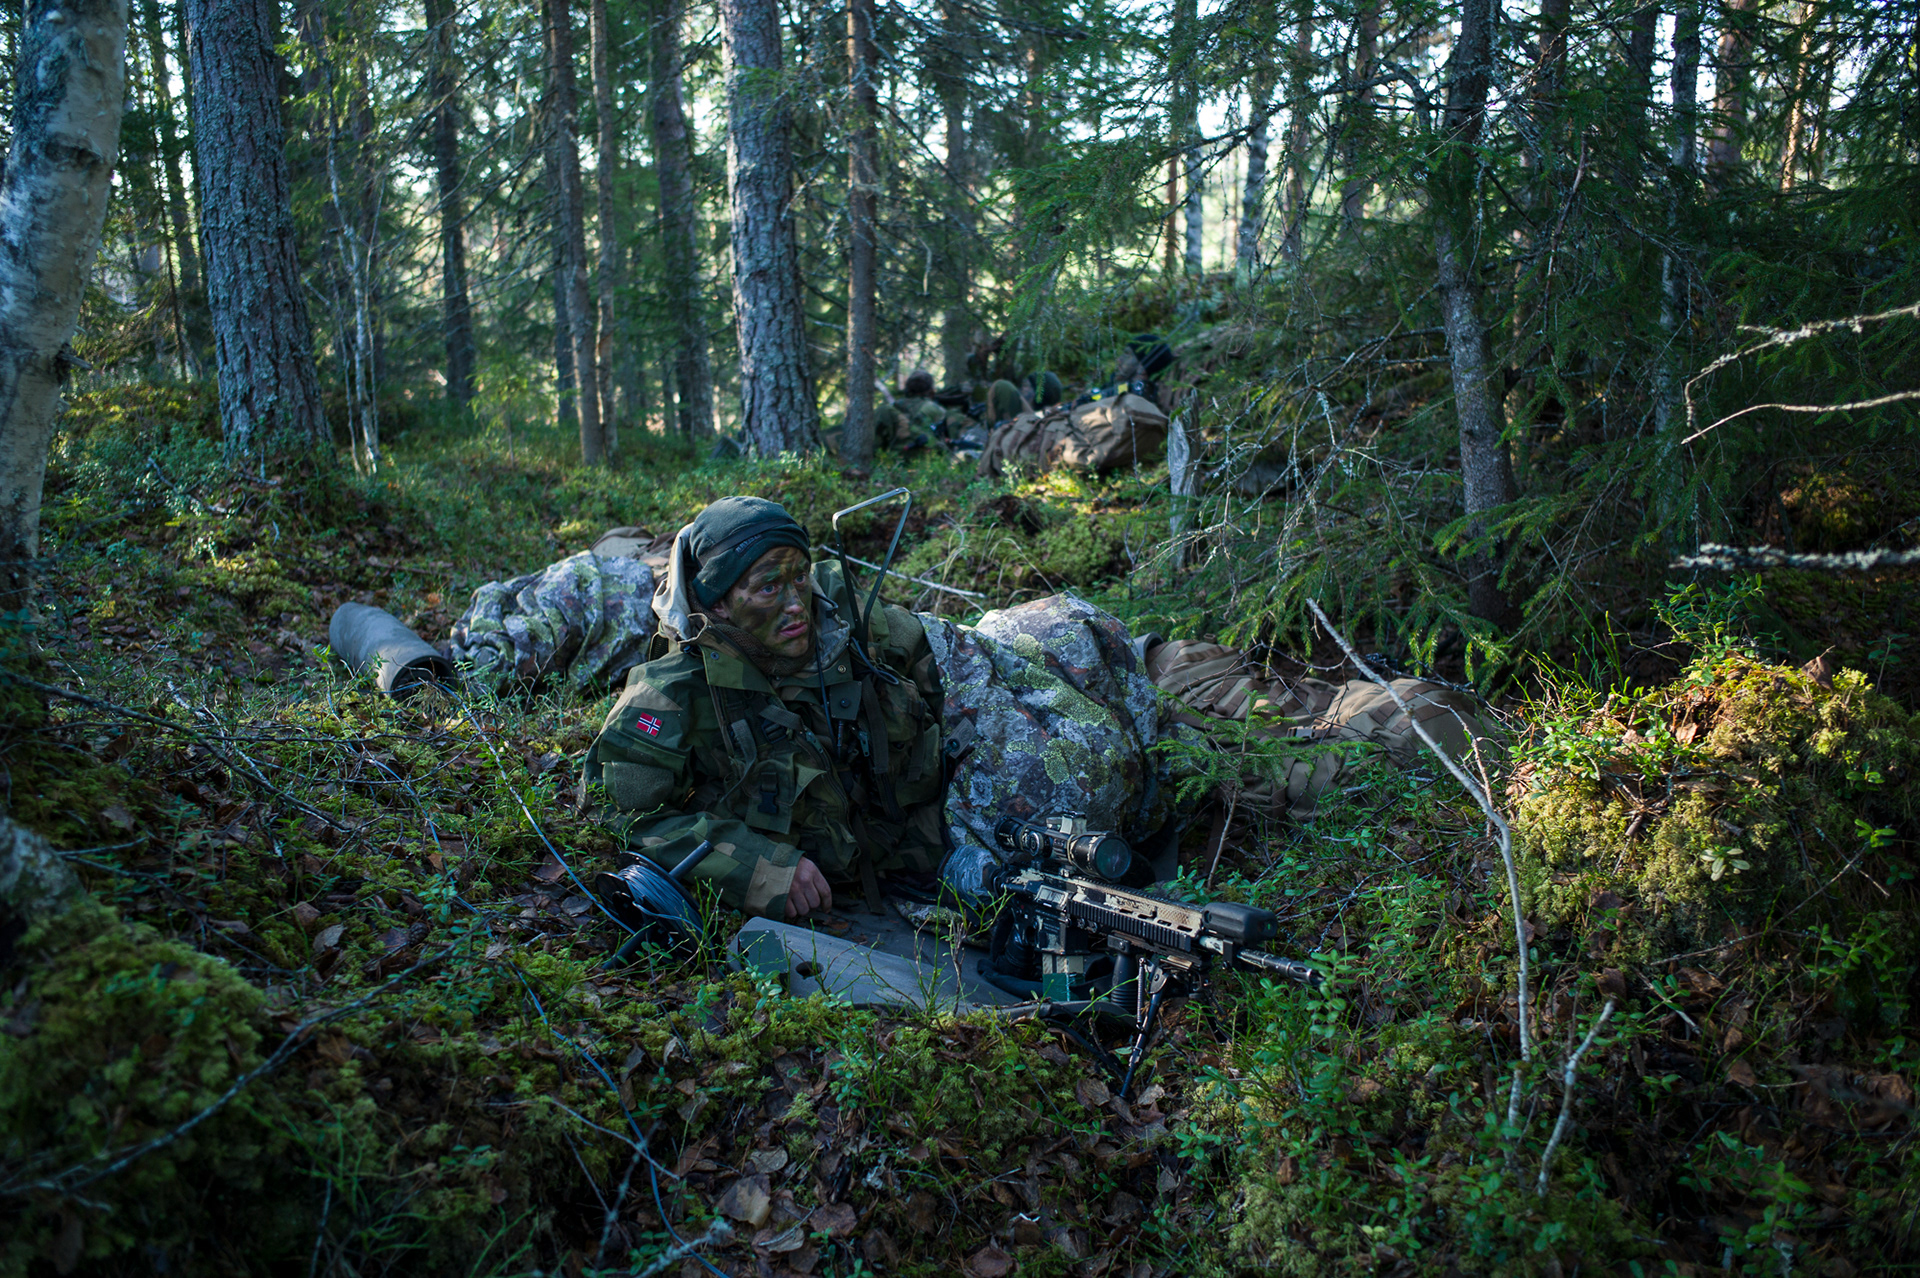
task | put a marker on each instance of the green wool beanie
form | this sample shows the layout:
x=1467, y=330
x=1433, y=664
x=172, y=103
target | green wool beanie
x=726, y=537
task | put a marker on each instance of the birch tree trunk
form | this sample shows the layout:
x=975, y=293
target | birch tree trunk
x=611, y=345
x=53, y=205
x=856, y=446
x=673, y=161
x=569, y=211
x=1486, y=469
x=262, y=341
x=777, y=409
x=456, y=305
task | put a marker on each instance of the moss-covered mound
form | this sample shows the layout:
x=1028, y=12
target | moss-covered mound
x=114, y=1039
x=1691, y=815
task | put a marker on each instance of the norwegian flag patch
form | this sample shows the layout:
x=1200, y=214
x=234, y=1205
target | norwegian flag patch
x=648, y=724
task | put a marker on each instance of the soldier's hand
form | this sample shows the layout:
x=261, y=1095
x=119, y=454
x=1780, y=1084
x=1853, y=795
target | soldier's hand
x=809, y=891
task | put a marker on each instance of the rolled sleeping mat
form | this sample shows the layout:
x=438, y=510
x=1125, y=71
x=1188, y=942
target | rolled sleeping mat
x=402, y=660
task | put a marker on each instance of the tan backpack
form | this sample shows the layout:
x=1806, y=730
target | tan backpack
x=1028, y=438
x=1111, y=433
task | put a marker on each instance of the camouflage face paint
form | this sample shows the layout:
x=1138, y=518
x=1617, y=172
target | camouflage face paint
x=772, y=601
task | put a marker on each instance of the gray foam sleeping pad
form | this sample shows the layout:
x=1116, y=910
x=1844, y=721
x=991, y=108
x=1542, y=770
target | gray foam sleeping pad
x=361, y=635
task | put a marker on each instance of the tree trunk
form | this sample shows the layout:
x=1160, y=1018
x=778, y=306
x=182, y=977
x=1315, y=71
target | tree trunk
x=1291, y=246
x=1642, y=27
x=1184, y=133
x=856, y=446
x=1550, y=70
x=1253, y=192
x=1359, y=183
x=456, y=307
x=1246, y=257
x=950, y=72
x=611, y=341
x=569, y=211
x=1486, y=469
x=66, y=133
x=672, y=161
x=1668, y=409
x=777, y=411
x=189, y=299
x=263, y=343
x=1730, y=90
x=1173, y=213
x=1793, y=149
x=354, y=198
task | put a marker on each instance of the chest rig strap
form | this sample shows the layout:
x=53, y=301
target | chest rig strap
x=753, y=722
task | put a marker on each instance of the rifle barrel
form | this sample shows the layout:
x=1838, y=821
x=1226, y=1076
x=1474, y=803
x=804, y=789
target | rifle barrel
x=1292, y=969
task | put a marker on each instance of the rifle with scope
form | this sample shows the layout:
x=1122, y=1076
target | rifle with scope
x=1072, y=935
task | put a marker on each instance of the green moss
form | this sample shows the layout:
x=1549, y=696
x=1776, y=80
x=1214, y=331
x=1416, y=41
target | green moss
x=118, y=1037
x=1710, y=806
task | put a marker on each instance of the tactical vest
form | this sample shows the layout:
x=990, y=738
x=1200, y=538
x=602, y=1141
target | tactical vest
x=862, y=759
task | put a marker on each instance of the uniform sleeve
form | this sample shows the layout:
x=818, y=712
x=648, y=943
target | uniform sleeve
x=644, y=764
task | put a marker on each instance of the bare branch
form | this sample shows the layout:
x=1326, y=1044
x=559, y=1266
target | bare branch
x=1727, y=558
x=1566, y=1099
x=1481, y=796
x=1856, y=406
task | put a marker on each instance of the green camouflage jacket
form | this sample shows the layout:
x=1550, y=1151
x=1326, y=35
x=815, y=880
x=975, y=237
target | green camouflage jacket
x=702, y=745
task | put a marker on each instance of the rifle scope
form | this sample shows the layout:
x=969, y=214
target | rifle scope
x=1068, y=841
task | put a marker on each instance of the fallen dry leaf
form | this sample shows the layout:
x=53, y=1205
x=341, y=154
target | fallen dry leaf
x=1740, y=1072
x=836, y=1218
x=767, y=1160
x=788, y=1239
x=747, y=1201
x=988, y=1262
x=1091, y=1092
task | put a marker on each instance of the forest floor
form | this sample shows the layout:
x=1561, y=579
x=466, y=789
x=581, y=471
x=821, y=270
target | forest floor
x=336, y=998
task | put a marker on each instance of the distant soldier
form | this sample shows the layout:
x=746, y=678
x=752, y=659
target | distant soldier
x=1037, y=392
x=1145, y=358
x=914, y=419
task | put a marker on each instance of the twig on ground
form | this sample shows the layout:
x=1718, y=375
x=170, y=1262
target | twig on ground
x=1566, y=1098
x=719, y=1233
x=613, y=1208
x=67, y=694
x=1485, y=799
